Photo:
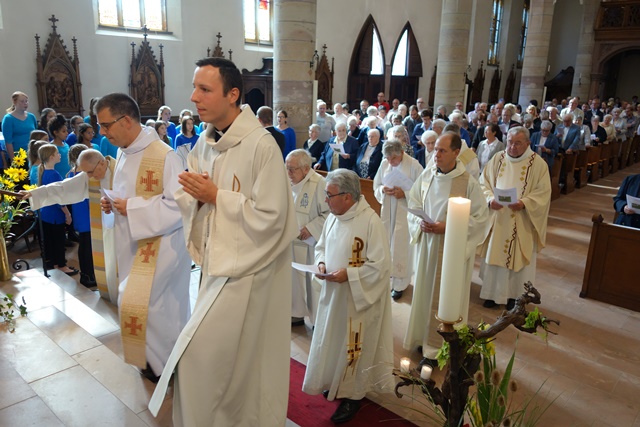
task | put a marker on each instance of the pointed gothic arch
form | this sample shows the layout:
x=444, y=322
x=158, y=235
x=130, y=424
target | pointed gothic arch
x=405, y=87
x=361, y=83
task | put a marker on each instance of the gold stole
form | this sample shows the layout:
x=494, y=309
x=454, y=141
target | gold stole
x=134, y=306
x=97, y=242
x=458, y=189
x=466, y=157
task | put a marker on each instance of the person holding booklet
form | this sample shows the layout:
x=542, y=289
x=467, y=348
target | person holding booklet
x=518, y=230
x=396, y=175
x=307, y=187
x=627, y=202
x=446, y=177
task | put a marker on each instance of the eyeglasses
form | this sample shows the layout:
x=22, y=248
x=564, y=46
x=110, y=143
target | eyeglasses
x=108, y=125
x=96, y=167
x=333, y=195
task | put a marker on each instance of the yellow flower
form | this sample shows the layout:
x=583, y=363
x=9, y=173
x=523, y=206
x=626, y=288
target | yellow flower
x=22, y=154
x=9, y=199
x=18, y=161
x=22, y=174
x=29, y=187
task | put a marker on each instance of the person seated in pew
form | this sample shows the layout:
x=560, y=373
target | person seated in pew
x=545, y=143
x=627, y=215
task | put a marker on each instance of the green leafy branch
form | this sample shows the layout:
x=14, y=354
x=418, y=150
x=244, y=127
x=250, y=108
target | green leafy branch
x=7, y=310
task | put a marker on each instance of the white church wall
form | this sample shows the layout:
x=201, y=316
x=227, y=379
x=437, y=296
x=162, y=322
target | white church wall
x=105, y=56
x=338, y=26
x=565, y=35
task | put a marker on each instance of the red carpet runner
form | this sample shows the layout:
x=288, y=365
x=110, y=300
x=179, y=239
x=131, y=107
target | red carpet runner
x=315, y=411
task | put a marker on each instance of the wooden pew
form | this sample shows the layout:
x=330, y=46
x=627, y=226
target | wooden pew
x=610, y=274
x=614, y=159
x=568, y=166
x=555, y=176
x=593, y=162
x=605, y=156
x=366, y=188
x=580, y=170
x=633, y=150
x=624, y=153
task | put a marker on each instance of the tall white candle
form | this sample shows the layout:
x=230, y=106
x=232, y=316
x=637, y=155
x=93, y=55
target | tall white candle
x=453, y=259
x=425, y=372
x=405, y=365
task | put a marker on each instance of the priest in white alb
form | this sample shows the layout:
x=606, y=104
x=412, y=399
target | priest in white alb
x=231, y=362
x=352, y=346
x=153, y=263
x=446, y=178
x=518, y=230
x=307, y=187
x=393, y=212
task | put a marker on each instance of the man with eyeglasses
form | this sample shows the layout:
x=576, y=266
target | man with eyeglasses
x=307, y=187
x=232, y=359
x=352, y=346
x=153, y=263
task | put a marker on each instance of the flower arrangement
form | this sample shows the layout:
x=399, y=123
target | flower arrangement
x=10, y=179
x=7, y=311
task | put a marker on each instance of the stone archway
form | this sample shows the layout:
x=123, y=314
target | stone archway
x=605, y=63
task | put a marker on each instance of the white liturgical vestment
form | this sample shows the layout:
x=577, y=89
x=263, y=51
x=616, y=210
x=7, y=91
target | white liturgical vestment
x=352, y=346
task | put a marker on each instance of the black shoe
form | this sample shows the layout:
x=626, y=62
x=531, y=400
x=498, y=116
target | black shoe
x=396, y=294
x=73, y=237
x=73, y=271
x=297, y=321
x=426, y=361
x=325, y=393
x=489, y=303
x=346, y=411
x=86, y=281
x=149, y=374
x=511, y=303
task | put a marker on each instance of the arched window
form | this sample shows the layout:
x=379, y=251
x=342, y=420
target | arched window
x=258, y=19
x=406, y=68
x=133, y=14
x=494, y=34
x=524, y=31
x=367, y=66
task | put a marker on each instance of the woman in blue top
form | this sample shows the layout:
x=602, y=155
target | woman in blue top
x=17, y=124
x=161, y=130
x=184, y=113
x=53, y=217
x=92, y=119
x=82, y=224
x=73, y=138
x=164, y=114
x=58, y=129
x=187, y=134
x=289, y=133
x=85, y=136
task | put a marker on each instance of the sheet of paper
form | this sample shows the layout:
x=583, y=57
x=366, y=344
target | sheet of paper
x=420, y=213
x=110, y=194
x=396, y=178
x=338, y=148
x=308, y=269
x=633, y=203
x=505, y=196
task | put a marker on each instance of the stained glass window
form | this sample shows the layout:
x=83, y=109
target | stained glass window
x=133, y=14
x=524, y=31
x=377, y=60
x=494, y=34
x=258, y=18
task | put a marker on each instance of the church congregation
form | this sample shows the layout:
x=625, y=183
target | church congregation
x=320, y=229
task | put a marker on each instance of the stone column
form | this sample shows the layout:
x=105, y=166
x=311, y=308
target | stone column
x=582, y=77
x=453, y=47
x=293, y=46
x=536, y=52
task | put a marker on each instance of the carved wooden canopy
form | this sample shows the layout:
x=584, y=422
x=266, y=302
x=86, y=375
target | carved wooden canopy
x=510, y=85
x=478, y=85
x=324, y=76
x=495, y=86
x=58, y=75
x=217, y=51
x=146, y=84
